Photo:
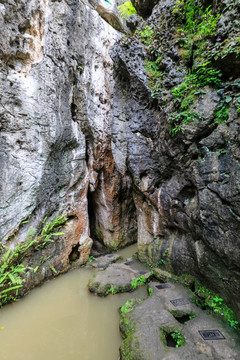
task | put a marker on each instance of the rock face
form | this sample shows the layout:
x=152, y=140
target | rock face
x=82, y=135
x=56, y=87
x=186, y=189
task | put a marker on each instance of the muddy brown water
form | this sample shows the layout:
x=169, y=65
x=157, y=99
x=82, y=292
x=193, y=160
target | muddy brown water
x=62, y=320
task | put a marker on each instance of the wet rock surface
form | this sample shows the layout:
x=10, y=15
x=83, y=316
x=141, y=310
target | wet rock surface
x=102, y=262
x=118, y=277
x=146, y=329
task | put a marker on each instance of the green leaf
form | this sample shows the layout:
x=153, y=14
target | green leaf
x=36, y=269
x=53, y=269
x=228, y=99
x=10, y=289
x=126, y=9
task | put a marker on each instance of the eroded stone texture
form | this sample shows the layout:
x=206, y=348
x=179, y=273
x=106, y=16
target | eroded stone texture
x=56, y=86
x=186, y=188
x=80, y=139
x=144, y=326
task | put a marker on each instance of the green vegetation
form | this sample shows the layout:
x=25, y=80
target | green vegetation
x=12, y=270
x=130, y=305
x=208, y=299
x=130, y=346
x=138, y=281
x=229, y=93
x=164, y=259
x=91, y=258
x=111, y=290
x=221, y=151
x=185, y=94
x=199, y=50
x=155, y=75
x=150, y=291
x=221, y=48
x=178, y=338
x=127, y=307
x=175, y=335
x=107, y=1
x=191, y=315
x=128, y=343
x=126, y=9
x=97, y=233
x=53, y=269
x=197, y=25
x=146, y=35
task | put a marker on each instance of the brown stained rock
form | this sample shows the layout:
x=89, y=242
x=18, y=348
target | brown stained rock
x=113, y=215
x=46, y=121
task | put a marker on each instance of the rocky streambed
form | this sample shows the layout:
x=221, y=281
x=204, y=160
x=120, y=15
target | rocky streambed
x=166, y=324
x=158, y=319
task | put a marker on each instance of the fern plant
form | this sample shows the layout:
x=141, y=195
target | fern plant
x=12, y=270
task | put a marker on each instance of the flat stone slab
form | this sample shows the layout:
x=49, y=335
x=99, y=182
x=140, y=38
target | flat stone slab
x=102, y=262
x=144, y=329
x=179, y=302
x=211, y=334
x=117, y=277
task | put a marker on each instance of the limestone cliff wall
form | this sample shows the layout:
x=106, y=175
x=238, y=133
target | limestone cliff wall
x=56, y=89
x=82, y=135
x=185, y=173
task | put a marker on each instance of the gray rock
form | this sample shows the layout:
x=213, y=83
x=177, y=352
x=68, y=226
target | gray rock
x=81, y=135
x=117, y=278
x=144, y=329
x=102, y=262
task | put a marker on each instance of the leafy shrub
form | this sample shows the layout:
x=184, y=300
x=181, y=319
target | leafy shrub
x=126, y=9
x=138, y=281
x=146, y=36
x=186, y=93
x=175, y=335
x=155, y=75
x=197, y=22
x=164, y=258
x=178, y=338
x=208, y=299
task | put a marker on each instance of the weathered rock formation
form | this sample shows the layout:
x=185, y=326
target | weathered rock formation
x=146, y=327
x=82, y=135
